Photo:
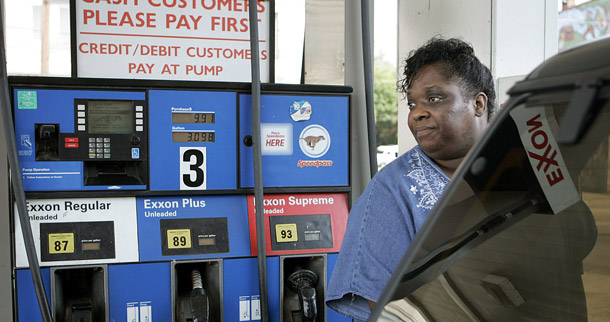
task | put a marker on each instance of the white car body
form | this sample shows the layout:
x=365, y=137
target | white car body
x=386, y=154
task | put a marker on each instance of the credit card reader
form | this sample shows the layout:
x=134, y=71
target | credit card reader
x=83, y=140
x=114, y=141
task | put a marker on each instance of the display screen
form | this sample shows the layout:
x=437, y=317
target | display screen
x=207, y=241
x=200, y=118
x=312, y=236
x=110, y=117
x=91, y=245
x=201, y=137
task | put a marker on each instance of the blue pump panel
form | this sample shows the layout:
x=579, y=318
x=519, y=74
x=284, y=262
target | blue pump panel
x=192, y=227
x=139, y=291
x=304, y=140
x=162, y=147
x=27, y=308
x=193, y=140
x=241, y=292
x=56, y=132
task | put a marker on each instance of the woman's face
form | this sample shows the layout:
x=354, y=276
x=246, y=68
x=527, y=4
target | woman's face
x=445, y=123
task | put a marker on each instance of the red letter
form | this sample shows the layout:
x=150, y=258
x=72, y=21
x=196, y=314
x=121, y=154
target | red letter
x=554, y=177
x=80, y=48
x=169, y=18
x=545, y=139
x=88, y=14
x=535, y=124
x=215, y=22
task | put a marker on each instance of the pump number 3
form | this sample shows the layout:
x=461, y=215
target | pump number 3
x=193, y=161
x=286, y=233
x=62, y=243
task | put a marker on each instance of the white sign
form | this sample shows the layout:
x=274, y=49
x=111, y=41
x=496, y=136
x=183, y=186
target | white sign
x=120, y=211
x=193, y=164
x=139, y=311
x=545, y=157
x=244, y=308
x=249, y=308
x=203, y=40
x=276, y=139
x=146, y=311
x=133, y=315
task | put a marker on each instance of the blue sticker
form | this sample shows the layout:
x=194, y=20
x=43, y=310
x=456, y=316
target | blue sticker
x=135, y=153
x=300, y=110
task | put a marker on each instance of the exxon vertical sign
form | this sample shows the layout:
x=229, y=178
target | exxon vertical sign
x=545, y=157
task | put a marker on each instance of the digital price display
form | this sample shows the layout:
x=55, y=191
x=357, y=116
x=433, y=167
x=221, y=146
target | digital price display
x=312, y=235
x=196, y=118
x=92, y=245
x=197, y=137
x=207, y=240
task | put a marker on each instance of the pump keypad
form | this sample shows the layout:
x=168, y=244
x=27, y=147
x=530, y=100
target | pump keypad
x=99, y=148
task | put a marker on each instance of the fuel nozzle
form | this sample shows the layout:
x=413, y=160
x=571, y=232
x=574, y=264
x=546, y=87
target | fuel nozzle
x=82, y=312
x=200, y=305
x=303, y=282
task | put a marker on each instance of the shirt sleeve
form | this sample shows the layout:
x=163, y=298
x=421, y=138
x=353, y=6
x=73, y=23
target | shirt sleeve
x=379, y=231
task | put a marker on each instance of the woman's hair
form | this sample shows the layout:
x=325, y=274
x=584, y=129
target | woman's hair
x=457, y=58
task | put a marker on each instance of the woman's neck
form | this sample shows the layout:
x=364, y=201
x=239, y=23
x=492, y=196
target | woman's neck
x=449, y=166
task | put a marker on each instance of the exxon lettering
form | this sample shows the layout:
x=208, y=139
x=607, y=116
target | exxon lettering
x=272, y=202
x=545, y=154
x=43, y=207
x=149, y=204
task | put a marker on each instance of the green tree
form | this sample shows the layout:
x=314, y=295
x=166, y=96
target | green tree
x=386, y=102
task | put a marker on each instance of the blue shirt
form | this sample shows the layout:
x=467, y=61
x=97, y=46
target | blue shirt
x=381, y=225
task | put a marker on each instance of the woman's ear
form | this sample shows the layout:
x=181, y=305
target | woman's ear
x=480, y=104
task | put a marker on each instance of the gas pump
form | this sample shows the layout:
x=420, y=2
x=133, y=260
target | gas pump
x=161, y=222
x=141, y=198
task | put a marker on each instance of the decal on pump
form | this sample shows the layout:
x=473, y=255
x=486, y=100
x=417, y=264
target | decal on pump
x=300, y=110
x=314, y=141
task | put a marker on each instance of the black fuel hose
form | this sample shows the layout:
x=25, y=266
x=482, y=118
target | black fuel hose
x=258, y=168
x=368, y=84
